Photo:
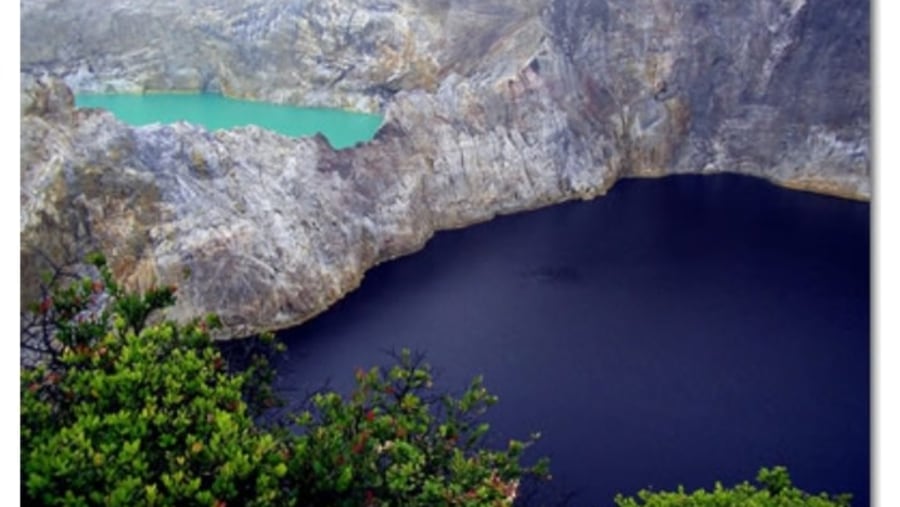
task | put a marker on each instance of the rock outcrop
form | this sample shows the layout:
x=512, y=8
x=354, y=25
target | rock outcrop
x=341, y=53
x=491, y=107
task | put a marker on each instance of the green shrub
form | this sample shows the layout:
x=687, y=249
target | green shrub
x=776, y=491
x=126, y=413
x=394, y=442
x=135, y=414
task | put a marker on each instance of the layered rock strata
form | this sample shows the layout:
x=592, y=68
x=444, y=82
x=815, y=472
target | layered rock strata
x=532, y=104
x=339, y=53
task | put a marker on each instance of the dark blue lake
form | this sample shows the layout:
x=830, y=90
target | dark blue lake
x=676, y=331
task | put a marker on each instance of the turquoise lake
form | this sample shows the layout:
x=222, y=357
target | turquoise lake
x=343, y=129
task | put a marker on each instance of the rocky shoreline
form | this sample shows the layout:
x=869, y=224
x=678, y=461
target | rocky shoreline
x=524, y=105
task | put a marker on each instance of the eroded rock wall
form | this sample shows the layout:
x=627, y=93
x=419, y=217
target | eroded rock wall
x=340, y=53
x=268, y=230
x=778, y=89
x=516, y=106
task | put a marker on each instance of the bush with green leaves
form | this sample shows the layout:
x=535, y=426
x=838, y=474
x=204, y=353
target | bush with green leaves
x=775, y=490
x=396, y=442
x=126, y=412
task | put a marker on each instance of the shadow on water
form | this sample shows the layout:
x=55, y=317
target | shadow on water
x=677, y=331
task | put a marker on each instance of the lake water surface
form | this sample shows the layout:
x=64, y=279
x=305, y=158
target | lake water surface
x=342, y=128
x=677, y=331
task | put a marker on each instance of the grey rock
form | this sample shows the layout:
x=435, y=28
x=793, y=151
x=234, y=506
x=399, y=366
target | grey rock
x=340, y=53
x=490, y=108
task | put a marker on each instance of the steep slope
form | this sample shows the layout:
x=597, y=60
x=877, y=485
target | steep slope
x=491, y=107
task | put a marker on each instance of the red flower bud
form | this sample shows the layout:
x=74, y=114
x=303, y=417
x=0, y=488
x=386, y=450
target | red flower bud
x=370, y=415
x=46, y=304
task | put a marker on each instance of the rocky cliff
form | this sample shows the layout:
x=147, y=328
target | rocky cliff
x=342, y=53
x=491, y=107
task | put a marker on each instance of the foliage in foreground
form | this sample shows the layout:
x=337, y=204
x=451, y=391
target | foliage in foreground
x=776, y=490
x=126, y=413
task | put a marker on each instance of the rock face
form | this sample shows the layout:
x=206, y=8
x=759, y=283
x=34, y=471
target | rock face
x=491, y=107
x=340, y=53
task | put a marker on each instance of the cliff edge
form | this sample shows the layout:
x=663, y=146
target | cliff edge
x=490, y=107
